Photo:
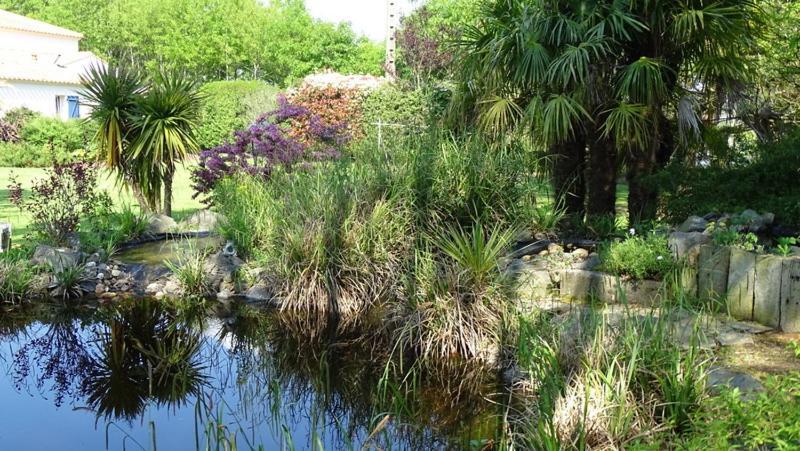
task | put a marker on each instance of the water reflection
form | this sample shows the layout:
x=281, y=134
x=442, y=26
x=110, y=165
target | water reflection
x=235, y=374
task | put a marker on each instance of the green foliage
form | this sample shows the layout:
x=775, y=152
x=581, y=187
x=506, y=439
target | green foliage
x=477, y=251
x=784, y=245
x=394, y=106
x=68, y=279
x=45, y=141
x=277, y=41
x=106, y=229
x=767, y=183
x=16, y=280
x=228, y=106
x=770, y=421
x=190, y=270
x=546, y=218
x=638, y=257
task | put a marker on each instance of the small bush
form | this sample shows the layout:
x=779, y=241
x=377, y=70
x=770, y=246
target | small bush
x=339, y=107
x=16, y=280
x=43, y=142
x=638, y=257
x=403, y=111
x=229, y=106
x=190, y=270
x=768, y=182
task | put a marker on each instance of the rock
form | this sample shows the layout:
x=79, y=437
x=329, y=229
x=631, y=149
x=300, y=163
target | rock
x=159, y=224
x=580, y=253
x=533, y=285
x=109, y=295
x=790, y=295
x=693, y=224
x=590, y=264
x=741, y=283
x=719, y=378
x=222, y=267
x=201, y=221
x=578, y=285
x=100, y=289
x=733, y=338
x=259, y=292
x=748, y=327
x=681, y=243
x=794, y=251
x=91, y=264
x=554, y=248
x=640, y=292
x=56, y=258
x=153, y=288
x=102, y=267
x=101, y=276
x=544, y=253
x=754, y=222
x=172, y=288
x=767, y=291
x=159, y=295
x=116, y=273
x=5, y=237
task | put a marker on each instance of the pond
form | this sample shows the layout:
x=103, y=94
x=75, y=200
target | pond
x=140, y=375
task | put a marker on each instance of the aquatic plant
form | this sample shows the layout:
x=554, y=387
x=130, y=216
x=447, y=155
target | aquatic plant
x=190, y=269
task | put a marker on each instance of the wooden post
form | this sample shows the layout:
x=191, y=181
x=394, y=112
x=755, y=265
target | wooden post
x=5, y=237
x=392, y=21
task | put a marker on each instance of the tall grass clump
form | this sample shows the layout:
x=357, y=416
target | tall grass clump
x=383, y=225
x=16, y=280
x=190, y=270
x=611, y=379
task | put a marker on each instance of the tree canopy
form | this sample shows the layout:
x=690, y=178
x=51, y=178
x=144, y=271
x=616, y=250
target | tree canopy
x=211, y=39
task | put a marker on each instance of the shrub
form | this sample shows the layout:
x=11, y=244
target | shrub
x=337, y=107
x=638, y=257
x=12, y=122
x=16, y=280
x=59, y=201
x=229, y=106
x=268, y=145
x=391, y=105
x=190, y=270
x=44, y=141
x=767, y=183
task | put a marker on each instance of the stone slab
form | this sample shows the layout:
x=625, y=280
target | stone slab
x=689, y=271
x=641, y=292
x=790, y=295
x=767, y=293
x=533, y=285
x=712, y=273
x=741, y=284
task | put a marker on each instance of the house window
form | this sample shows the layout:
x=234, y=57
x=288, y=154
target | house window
x=74, y=106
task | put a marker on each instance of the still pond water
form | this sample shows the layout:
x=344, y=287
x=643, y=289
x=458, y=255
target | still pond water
x=141, y=376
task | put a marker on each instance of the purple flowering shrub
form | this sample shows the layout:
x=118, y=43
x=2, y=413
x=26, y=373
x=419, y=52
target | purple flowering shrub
x=271, y=142
x=58, y=201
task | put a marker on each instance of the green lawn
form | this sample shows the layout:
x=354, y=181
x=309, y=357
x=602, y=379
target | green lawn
x=183, y=204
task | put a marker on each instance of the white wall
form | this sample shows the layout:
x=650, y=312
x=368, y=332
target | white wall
x=32, y=43
x=39, y=97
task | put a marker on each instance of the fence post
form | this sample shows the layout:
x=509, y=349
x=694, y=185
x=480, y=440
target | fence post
x=5, y=237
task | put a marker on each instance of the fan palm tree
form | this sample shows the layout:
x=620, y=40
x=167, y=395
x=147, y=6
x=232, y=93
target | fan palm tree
x=604, y=81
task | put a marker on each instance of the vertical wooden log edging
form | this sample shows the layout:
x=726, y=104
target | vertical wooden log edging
x=712, y=273
x=790, y=295
x=767, y=293
x=741, y=284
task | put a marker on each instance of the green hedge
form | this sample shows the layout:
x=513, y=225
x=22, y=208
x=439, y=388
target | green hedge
x=232, y=105
x=389, y=104
x=45, y=140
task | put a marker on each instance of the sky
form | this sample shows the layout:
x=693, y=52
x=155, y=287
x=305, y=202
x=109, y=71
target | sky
x=368, y=17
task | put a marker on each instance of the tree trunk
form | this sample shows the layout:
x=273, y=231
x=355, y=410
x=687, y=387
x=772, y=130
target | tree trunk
x=601, y=177
x=168, y=177
x=144, y=206
x=568, y=175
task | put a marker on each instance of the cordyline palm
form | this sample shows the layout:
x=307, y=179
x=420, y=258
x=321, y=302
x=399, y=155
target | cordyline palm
x=164, y=129
x=145, y=128
x=595, y=80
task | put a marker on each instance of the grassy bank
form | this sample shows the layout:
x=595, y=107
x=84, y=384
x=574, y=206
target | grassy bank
x=183, y=203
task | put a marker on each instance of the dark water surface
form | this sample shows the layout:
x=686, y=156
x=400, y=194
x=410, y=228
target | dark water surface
x=141, y=376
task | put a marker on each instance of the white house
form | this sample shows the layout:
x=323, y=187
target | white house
x=40, y=67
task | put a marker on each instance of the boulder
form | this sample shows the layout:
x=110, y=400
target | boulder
x=747, y=385
x=56, y=258
x=259, y=292
x=767, y=291
x=158, y=224
x=578, y=285
x=741, y=283
x=5, y=237
x=693, y=224
x=533, y=285
x=222, y=267
x=681, y=243
x=751, y=221
x=200, y=221
x=640, y=292
x=590, y=264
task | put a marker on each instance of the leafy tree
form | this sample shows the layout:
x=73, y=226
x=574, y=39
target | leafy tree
x=599, y=80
